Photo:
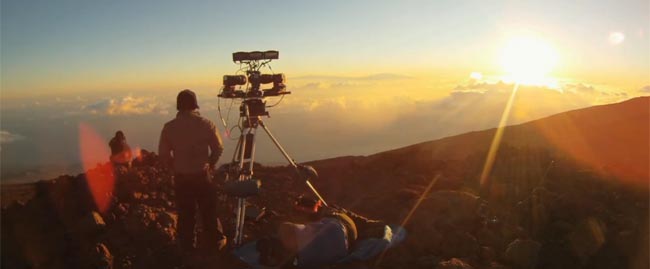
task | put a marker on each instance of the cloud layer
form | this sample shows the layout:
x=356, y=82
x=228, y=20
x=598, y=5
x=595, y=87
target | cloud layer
x=323, y=117
x=127, y=105
x=7, y=137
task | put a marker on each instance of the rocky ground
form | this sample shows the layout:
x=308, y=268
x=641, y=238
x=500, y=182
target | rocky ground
x=547, y=225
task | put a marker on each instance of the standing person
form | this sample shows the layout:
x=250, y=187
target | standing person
x=191, y=145
x=120, y=150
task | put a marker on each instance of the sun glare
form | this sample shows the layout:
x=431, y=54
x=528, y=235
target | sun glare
x=528, y=60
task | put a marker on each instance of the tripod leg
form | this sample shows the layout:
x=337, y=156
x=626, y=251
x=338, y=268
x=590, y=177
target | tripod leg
x=249, y=155
x=246, y=153
x=291, y=161
x=241, y=204
x=251, y=148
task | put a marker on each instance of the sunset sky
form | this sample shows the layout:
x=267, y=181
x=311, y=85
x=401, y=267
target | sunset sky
x=373, y=64
x=72, y=46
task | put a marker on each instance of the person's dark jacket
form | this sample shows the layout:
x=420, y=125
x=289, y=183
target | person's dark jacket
x=185, y=141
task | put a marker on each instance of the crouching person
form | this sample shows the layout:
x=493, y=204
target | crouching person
x=121, y=154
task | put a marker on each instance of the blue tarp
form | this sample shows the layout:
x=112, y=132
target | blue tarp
x=364, y=250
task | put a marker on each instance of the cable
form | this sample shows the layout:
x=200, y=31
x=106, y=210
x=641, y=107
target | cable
x=270, y=68
x=230, y=132
x=225, y=124
x=278, y=102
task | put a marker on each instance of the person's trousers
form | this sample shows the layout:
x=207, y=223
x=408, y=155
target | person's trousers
x=196, y=191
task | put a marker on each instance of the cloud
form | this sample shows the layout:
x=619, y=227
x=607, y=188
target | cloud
x=477, y=106
x=319, y=82
x=313, y=86
x=645, y=89
x=379, y=76
x=327, y=104
x=127, y=105
x=7, y=137
x=384, y=76
x=582, y=88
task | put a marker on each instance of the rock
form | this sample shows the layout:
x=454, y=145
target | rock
x=445, y=222
x=121, y=209
x=455, y=209
x=459, y=244
x=487, y=255
x=90, y=224
x=167, y=219
x=587, y=237
x=96, y=219
x=165, y=228
x=138, y=219
x=523, y=253
x=98, y=257
x=488, y=237
x=125, y=262
x=453, y=264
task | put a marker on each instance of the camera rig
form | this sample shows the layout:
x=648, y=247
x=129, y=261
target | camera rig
x=252, y=94
x=247, y=88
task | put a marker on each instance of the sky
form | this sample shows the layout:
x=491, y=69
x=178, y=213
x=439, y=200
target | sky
x=360, y=71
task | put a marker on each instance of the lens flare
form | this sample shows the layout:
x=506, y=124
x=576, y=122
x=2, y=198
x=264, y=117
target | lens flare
x=99, y=177
x=616, y=38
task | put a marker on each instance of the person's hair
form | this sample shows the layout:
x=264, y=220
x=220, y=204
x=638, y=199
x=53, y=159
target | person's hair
x=120, y=134
x=186, y=100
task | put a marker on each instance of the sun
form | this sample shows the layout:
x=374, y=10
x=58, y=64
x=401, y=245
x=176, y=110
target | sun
x=528, y=60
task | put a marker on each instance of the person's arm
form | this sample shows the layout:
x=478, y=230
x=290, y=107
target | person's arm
x=164, y=148
x=216, y=145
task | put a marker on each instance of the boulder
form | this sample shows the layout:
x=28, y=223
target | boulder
x=459, y=244
x=445, y=223
x=523, y=253
x=587, y=237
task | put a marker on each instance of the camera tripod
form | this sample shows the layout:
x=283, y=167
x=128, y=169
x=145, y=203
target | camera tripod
x=251, y=111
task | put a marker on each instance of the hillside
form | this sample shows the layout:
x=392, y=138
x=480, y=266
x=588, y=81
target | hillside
x=565, y=194
x=611, y=138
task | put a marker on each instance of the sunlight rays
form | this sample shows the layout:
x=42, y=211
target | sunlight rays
x=496, y=141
